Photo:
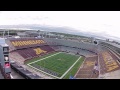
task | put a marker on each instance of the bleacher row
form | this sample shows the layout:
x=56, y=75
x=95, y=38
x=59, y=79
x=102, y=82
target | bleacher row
x=86, y=71
x=55, y=47
x=102, y=65
x=108, y=62
x=22, y=49
x=15, y=56
x=63, y=42
x=74, y=50
x=29, y=53
x=25, y=43
x=32, y=53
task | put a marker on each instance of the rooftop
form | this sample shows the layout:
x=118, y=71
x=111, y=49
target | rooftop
x=2, y=42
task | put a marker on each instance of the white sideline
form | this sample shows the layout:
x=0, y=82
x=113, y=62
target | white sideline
x=81, y=66
x=43, y=71
x=69, y=68
x=43, y=58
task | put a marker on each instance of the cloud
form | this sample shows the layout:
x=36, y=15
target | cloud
x=86, y=21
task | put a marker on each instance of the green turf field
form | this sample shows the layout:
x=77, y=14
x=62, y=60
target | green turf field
x=74, y=70
x=57, y=62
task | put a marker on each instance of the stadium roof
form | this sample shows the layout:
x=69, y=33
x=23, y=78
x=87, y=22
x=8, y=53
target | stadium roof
x=113, y=44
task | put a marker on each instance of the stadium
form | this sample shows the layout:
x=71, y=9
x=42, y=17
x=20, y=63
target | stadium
x=59, y=45
x=60, y=58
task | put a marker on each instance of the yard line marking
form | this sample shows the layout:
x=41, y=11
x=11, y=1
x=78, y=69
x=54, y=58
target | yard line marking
x=43, y=58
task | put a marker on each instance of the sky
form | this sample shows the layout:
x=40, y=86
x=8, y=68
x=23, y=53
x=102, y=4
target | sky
x=98, y=22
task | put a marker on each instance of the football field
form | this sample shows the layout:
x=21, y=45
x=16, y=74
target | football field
x=56, y=65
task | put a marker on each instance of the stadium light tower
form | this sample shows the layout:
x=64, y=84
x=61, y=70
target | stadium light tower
x=3, y=33
x=49, y=34
x=42, y=34
x=39, y=32
x=8, y=33
x=46, y=34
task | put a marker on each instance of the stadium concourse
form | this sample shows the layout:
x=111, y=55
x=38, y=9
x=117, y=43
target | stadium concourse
x=98, y=62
